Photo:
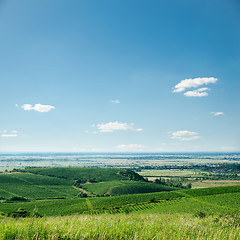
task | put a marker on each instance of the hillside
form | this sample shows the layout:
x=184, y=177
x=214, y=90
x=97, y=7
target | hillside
x=47, y=183
x=115, y=188
x=34, y=186
x=191, y=214
x=221, y=201
x=84, y=175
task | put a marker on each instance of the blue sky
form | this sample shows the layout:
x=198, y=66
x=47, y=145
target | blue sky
x=111, y=76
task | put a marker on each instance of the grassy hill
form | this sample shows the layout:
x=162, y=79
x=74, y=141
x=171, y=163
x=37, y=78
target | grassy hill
x=46, y=183
x=221, y=202
x=115, y=188
x=34, y=186
x=211, y=213
x=162, y=213
x=191, y=214
x=84, y=175
x=122, y=226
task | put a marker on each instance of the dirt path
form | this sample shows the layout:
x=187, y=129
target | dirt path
x=82, y=190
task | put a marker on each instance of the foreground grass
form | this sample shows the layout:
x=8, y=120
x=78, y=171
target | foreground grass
x=122, y=226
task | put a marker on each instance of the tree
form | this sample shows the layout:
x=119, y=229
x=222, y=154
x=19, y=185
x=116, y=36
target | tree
x=189, y=186
x=82, y=195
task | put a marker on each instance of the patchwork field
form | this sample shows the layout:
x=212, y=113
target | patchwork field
x=140, y=209
x=34, y=186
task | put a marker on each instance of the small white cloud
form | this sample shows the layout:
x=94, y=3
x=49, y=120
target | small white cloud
x=131, y=147
x=9, y=135
x=201, y=92
x=116, y=101
x=112, y=126
x=116, y=126
x=27, y=107
x=217, y=113
x=16, y=105
x=193, y=83
x=4, y=131
x=37, y=107
x=14, y=131
x=185, y=135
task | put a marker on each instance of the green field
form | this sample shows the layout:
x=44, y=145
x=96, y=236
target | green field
x=140, y=210
x=86, y=174
x=34, y=186
x=221, y=200
x=122, y=226
x=172, y=215
x=171, y=172
x=46, y=183
x=124, y=187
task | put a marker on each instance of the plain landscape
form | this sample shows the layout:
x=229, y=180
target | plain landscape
x=119, y=120
x=198, y=197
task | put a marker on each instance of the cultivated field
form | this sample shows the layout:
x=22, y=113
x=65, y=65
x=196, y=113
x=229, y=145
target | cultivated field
x=120, y=205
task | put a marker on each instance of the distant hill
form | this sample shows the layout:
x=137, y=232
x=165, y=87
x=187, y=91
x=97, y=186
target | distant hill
x=84, y=175
x=51, y=183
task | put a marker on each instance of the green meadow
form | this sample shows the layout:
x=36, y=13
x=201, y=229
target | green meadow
x=45, y=204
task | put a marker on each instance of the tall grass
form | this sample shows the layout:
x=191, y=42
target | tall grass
x=121, y=226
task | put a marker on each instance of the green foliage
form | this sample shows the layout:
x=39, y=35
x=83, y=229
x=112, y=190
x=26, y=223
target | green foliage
x=211, y=191
x=115, y=188
x=122, y=226
x=58, y=207
x=16, y=198
x=200, y=214
x=34, y=186
x=19, y=213
x=138, y=187
x=82, y=195
x=83, y=175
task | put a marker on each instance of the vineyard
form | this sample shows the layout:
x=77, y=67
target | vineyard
x=33, y=186
x=166, y=202
x=115, y=188
x=86, y=174
x=210, y=213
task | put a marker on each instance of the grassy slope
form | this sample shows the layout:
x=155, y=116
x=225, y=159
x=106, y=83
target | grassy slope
x=70, y=206
x=85, y=174
x=35, y=186
x=125, y=187
x=175, y=217
x=139, y=187
x=108, y=180
x=122, y=226
x=174, y=201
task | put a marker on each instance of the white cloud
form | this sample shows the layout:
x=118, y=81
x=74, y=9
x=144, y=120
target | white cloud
x=37, y=107
x=193, y=83
x=9, y=135
x=131, y=146
x=116, y=126
x=217, y=113
x=185, y=135
x=200, y=92
x=116, y=101
x=113, y=126
x=14, y=131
